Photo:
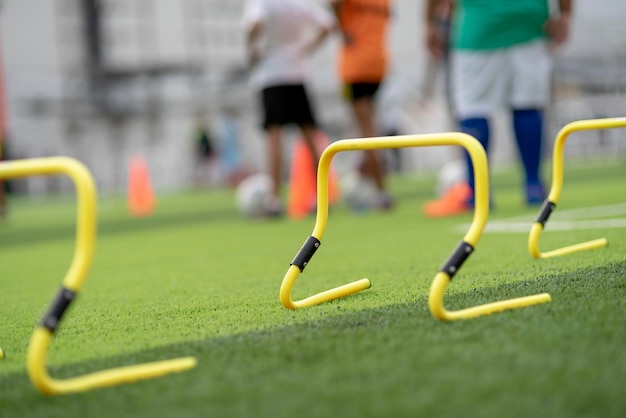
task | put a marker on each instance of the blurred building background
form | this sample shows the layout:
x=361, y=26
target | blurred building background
x=105, y=80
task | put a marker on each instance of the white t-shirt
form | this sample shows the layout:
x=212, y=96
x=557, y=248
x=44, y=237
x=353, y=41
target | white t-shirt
x=286, y=24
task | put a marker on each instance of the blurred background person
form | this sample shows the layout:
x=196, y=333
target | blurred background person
x=227, y=137
x=501, y=60
x=205, y=153
x=279, y=39
x=362, y=67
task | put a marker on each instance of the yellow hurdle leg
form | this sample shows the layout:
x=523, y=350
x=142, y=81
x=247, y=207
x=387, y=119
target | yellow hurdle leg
x=557, y=185
x=72, y=283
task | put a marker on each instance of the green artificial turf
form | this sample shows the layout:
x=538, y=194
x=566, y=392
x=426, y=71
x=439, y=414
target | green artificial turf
x=198, y=279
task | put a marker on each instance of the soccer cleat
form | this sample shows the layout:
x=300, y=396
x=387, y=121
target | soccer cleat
x=454, y=202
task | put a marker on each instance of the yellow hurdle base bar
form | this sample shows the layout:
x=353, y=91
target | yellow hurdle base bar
x=533, y=239
x=297, y=266
x=47, y=385
x=443, y=279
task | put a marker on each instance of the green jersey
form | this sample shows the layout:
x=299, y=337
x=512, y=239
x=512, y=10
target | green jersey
x=492, y=24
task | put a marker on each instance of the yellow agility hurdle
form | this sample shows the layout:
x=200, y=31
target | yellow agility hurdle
x=449, y=268
x=557, y=184
x=72, y=283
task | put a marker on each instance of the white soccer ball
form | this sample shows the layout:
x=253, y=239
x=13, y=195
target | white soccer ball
x=252, y=195
x=450, y=174
x=359, y=193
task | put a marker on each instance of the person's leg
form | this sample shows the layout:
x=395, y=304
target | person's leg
x=273, y=206
x=480, y=82
x=273, y=107
x=363, y=109
x=301, y=113
x=479, y=129
x=532, y=67
x=364, y=112
x=459, y=198
x=528, y=126
x=274, y=157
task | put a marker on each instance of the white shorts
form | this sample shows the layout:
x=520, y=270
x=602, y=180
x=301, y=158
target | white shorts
x=484, y=82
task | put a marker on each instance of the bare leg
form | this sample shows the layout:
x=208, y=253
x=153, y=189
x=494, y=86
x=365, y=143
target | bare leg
x=274, y=155
x=364, y=112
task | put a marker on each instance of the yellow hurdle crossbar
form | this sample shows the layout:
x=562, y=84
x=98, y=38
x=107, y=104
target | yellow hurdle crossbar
x=557, y=184
x=449, y=268
x=72, y=283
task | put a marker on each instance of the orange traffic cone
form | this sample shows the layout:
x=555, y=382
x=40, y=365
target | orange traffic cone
x=141, y=200
x=303, y=179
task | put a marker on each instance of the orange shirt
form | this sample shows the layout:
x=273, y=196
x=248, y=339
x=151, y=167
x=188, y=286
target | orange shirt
x=363, y=59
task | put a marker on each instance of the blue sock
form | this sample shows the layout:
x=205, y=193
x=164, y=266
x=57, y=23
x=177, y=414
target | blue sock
x=528, y=125
x=479, y=129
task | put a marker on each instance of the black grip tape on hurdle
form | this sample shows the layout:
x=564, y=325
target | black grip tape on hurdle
x=545, y=212
x=52, y=318
x=306, y=252
x=456, y=260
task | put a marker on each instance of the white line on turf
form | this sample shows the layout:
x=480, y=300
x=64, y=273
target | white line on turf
x=568, y=220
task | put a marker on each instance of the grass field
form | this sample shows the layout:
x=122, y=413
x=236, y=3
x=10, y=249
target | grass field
x=197, y=279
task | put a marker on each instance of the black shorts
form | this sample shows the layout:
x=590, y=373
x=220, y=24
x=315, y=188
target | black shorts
x=356, y=91
x=286, y=104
